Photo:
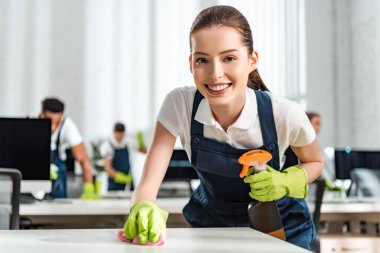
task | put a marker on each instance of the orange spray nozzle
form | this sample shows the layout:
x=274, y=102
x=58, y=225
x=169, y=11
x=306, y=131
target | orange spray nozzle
x=252, y=156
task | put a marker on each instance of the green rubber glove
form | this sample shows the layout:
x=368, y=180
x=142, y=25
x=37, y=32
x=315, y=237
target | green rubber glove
x=331, y=187
x=53, y=172
x=140, y=140
x=122, y=178
x=89, y=191
x=146, y=220
x=272, y=185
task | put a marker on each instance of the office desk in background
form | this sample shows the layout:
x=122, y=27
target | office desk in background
x=359, y=213
x=104, y=213
x=182, y=240
x=353, y=244
x=111, y=213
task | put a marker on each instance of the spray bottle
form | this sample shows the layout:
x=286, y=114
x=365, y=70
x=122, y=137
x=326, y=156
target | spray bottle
x=263, y=216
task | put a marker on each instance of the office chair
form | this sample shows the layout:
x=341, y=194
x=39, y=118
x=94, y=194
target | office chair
x=15, y=176
x=365, y=182
x=320, y=186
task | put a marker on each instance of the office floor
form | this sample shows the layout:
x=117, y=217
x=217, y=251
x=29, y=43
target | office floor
x=348, y=243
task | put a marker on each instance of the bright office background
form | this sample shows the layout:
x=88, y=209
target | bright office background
x=114, y=60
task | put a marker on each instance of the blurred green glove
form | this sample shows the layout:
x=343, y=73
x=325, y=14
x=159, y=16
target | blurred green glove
x=89, y=191
x=122, y=178
x=272, y=185
x=330, y=186
x=146, y=220
x=53, y=172
x=140, y=139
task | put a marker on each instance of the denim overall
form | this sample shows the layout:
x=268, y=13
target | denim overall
x=222, y=199
x=120, y=162
x=59, y=185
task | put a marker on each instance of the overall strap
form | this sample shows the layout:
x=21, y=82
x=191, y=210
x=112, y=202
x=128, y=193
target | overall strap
x=125, y=146
x=268, y=126
x=58, y=142
x=112, y=146
x=196, y=127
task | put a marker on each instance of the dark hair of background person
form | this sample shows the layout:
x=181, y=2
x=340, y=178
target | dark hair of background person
x=119, y=127
x=52, y=105
x=311, y=115
x=223, y=15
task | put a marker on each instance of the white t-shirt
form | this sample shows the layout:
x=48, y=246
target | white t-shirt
x=292, y=125
x=107, y=151
x=69, y=137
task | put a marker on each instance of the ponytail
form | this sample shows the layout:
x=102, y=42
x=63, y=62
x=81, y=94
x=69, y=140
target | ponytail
x=255, y=82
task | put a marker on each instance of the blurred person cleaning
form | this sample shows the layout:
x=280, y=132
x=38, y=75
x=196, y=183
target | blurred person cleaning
x=116, y=157
x=328, y=174
x=65, y=135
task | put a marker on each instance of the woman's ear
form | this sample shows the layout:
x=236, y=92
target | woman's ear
x=190, y=63
x=253, y=60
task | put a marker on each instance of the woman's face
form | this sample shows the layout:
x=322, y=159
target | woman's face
x=220, y=64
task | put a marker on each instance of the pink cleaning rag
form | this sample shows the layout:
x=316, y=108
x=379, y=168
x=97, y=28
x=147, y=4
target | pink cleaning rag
x=121, y=235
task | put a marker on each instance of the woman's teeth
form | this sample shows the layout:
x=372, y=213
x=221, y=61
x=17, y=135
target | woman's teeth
x=218, y=87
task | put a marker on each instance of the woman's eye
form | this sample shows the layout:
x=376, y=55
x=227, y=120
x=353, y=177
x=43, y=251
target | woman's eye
x=229, y=59
x=201, y=60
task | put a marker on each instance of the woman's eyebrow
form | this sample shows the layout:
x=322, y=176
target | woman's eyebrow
x=223, y=52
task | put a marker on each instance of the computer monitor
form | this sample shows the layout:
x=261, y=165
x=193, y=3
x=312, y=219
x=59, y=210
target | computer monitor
x=70, y=162
x=347, y=159
x=180, y=168
x=178, y=181
x=25, y=145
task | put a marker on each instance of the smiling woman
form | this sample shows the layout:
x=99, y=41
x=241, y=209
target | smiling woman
x=228, y=113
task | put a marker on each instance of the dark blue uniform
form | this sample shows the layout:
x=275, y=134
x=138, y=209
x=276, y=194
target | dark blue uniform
x=120, y=162
x=59, y=185
x=222, y=199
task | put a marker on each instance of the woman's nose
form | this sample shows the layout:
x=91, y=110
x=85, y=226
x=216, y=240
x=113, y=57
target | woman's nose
x=216, y=71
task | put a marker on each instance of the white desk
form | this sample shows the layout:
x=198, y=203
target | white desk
x=338, y=208
x=352, y=211
x=345, y=244
x=105, y=213
x=94, y=207
x=180, y=240
x=111, y=213
x=351, y=205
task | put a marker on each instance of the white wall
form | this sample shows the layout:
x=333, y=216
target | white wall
x=63, y=48
x=112, y=60
x=42, y=54
x=319, y=65
x=365, y=36
x=97, y=56
x=343, y=84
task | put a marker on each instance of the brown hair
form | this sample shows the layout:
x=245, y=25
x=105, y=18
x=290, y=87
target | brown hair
x=311, y=115
x=223, y=15
x=52, y=105
x=119, y=127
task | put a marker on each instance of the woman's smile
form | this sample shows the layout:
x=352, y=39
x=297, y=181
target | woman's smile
x=218, y=88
